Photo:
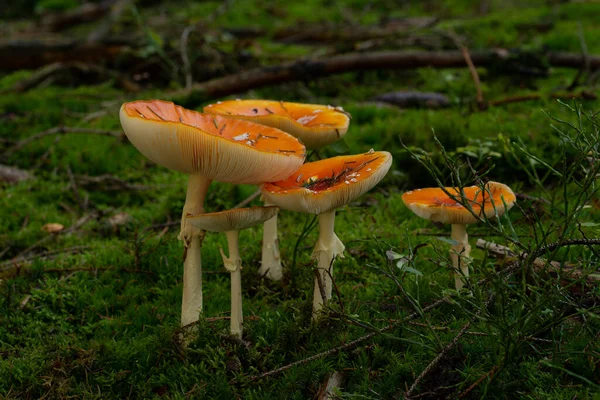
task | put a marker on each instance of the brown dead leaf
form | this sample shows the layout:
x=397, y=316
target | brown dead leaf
x=119, y=219
x=53, y=227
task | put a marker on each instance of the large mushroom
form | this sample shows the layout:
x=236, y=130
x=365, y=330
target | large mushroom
x=446, y=206
x=315, y=125
x=232, y=222
x=320, y=188
x=206, y=147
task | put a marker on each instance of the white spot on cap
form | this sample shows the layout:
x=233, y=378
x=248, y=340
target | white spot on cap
x=306, y=119
x=317, y=111
x=243, y=136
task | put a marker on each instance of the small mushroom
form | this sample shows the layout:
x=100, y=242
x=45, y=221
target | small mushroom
x=434, y=204
x=206, y=147
x=315, y=125
x=320, y=188
x=231, y=222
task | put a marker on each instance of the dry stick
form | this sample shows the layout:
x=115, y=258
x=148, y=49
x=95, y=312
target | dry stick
x=248, y=199
x=58, y=130
x=187, y=68
x=437, y=359
x=467, y=56
x=448, y=347
x=540, y=263
x=361, y=61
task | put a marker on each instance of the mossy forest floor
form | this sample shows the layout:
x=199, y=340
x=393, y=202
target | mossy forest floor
x=92, y=311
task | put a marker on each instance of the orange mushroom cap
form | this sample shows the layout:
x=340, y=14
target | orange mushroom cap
x=325, y=185
x=315, y=125
x=217, y=147
x=434, y=204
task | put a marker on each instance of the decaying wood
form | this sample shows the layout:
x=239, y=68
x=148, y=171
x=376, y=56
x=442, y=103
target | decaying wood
x=332, y=382
x=539, y=264
x=13, y=174
x=30, y=53
x=71, y=73
x=85, y=13
x=307, y=69
x=331, y=33
x=412, y=99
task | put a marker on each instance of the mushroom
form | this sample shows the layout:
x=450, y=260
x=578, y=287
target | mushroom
x=320, y=188
x=493, y=200
x=206, y=147
x=231, y=222
x=315, y=125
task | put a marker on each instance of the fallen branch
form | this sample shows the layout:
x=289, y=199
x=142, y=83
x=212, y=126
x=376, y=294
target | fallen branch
x=312, y=68
x=344, y=33
x=72, y=72
x=540, y=264
x=58, y=130
x=87, y=12
x=34, y=53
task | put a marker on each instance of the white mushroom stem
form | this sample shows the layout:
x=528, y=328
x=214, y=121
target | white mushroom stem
x=191, y=302
x=460, y=254
x=233, y=264
x=327, y=248
x=270, y=265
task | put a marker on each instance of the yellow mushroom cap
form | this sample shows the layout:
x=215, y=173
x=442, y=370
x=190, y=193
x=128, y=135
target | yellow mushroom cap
x=434, y=204
x=325, y=185
x=214, y=146
x=315, y=125
x=232, y=220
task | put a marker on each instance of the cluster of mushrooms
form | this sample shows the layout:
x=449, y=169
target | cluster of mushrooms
x=264, y=142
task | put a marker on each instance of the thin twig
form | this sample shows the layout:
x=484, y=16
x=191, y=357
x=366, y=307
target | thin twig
x=489, y=374
x=248, y=199
x=446, y=349
x=467, y=55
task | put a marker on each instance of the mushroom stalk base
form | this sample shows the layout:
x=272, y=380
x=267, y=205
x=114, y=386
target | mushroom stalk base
x=270, y=265
x=460, y=255
x=191, y=302
x=233, y=264
x=327, y=248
